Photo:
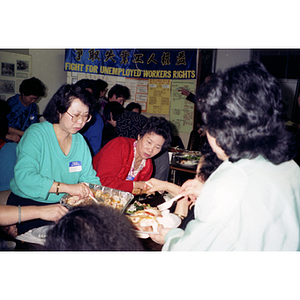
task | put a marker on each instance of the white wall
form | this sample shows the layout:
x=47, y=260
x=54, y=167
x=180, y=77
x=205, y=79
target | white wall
x=48, y=66
x=227, y=58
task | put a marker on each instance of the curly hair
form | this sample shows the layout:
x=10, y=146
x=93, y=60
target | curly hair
x=93, y=227
x=32, y=86
x=160, y=126
x=242, y=108
x=62, y=100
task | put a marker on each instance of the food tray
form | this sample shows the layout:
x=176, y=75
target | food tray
x=125, y=197
x=188, y=160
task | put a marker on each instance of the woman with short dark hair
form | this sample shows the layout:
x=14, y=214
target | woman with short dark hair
x=125, y=163
x=52, y=157
x=251, y=202
x=93, y=228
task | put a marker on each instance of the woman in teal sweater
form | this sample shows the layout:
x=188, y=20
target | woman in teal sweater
x=52, y=157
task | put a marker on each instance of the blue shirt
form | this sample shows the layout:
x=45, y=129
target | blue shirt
x=21, y=116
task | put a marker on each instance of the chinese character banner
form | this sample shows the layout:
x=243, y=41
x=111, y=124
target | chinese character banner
x=136, y=63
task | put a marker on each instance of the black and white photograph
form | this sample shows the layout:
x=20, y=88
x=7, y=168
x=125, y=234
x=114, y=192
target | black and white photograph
x=7, y=69
x=7, y=86
x=22, y=65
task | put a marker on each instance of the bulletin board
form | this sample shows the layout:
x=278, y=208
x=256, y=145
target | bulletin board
x=182, y=110
x=14, y=68
x=153, y=77
x=156, y=96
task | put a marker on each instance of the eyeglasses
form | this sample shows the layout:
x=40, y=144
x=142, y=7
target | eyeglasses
x=84, y=118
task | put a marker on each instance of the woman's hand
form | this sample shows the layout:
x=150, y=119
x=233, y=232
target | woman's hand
x=184, y=91
x=160, y=238
x=52, y=212
x=161, y=186
x=192, y=189
x=138, y=184
x=157, y=185
x=11, y=231
x=79, y=189
x=13, y=137
x=183, y=205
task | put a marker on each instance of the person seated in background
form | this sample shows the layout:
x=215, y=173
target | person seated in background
x=125, y=163
x=8, y=155
x=102, y=100
x=112, y=111
x=118, y=93
x=92, y=131
x=23, y=107
x=134, y=106
x=129, y=124
x=93, y=228
x=52, y=157
x=251, y=202
x=184, y=208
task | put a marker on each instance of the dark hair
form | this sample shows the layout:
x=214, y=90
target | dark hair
x=242, y=108
x=160, y=126
x=93, y=227
x=102, y=85
x=91, y=84
x=62, y=100
x=210, y=163
x=132, y=105
x=112, y=107
x=32, y=86
x=120, y=91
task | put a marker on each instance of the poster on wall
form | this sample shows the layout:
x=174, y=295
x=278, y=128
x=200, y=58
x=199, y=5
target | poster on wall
x=182, y=110
x=138, y=91
x=14, y=68
x=134, y=63
x=159, y=96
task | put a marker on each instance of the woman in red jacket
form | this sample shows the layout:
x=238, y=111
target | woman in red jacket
x=125, y=164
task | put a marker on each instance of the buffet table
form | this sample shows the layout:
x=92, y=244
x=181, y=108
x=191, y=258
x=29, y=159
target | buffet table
x=180, y=173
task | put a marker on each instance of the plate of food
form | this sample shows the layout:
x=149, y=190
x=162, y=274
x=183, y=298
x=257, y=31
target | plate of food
x=187, y=160
x=41, y=232
x=102, y=196
x=146, y=219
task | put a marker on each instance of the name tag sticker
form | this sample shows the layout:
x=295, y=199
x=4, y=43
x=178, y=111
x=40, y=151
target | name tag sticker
x=75, y=166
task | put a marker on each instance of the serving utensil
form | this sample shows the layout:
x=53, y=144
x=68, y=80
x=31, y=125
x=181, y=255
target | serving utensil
x=169, y=203
x=93, y=198
x=149, y=184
